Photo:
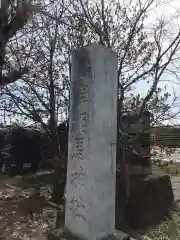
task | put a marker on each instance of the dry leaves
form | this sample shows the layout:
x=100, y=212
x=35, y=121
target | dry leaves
x=15, y=220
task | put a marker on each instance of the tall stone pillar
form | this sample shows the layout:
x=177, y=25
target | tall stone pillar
x=91, y=172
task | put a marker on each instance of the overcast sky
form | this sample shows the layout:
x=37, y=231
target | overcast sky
x=168, y=11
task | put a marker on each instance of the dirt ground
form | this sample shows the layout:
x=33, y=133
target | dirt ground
x=21, y=215
x=25, y=217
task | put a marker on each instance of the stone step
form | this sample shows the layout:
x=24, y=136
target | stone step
x=122, y=236
x=58, y=234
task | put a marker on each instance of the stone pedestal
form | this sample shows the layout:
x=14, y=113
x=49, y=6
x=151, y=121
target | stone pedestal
x=90, y=204
x=62, y=235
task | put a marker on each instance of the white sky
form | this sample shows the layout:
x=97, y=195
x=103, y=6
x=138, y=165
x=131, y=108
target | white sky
x=169, y=12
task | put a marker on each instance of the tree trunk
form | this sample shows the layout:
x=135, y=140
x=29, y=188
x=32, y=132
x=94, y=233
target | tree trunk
x=59, y=174
x=58, y=161
x=120, y=152
x=58, y=179
x=59, y=183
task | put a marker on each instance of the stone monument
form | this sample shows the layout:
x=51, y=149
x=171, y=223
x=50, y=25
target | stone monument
x=90, y=197
x=91, y=170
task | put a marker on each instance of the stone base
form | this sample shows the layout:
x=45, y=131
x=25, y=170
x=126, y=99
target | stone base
x=139, y=170
x=60, y=234
x=150, y=199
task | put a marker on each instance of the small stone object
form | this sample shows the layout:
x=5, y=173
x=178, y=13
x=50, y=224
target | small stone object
x=150, y=200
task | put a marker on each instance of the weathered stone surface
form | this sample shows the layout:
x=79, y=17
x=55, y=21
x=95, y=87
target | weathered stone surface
x=90, y=196
x=149, y=202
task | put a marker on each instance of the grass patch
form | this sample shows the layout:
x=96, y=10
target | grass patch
x=9, y=180
x=173, y=171
x=27, y=181
x=42, y=180
x=169, y=229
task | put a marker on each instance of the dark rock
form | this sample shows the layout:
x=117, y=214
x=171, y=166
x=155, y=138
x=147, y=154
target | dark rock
x=149, y=202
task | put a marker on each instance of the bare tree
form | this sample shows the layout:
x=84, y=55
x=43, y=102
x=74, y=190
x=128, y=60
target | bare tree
x=142, y=56
x=14, y=16
x=42, y=93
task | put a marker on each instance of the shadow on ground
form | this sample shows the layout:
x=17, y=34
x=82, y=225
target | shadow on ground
x=24, y=217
